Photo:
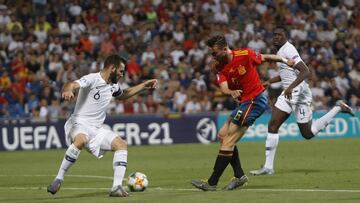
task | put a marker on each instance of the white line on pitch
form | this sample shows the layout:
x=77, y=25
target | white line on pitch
x=44, y=175
x=188, y=189
x=159, y=188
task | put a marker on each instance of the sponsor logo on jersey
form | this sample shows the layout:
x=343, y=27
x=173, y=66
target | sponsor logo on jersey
x=206, y=130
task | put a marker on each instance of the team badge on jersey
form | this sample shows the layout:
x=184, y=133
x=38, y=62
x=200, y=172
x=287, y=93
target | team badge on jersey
x=241, y=70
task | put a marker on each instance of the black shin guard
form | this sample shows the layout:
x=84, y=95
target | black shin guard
x=236, y=164
x=219, y=167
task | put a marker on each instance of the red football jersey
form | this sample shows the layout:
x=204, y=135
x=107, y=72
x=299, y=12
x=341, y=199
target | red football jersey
x=241, y=73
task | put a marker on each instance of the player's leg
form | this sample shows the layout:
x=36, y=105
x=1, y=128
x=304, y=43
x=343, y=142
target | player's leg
x=235, y=133
x=245, y=118
x=71, y=155
x=236, y=163
x=250, y=111
x=233, y=130
x=279, y=114
x=221, y=160
x=319, y=124
x=224, y=156
x=278, y=117
x=119, y=146
x=113, y=142
x=241, y=118
x=235, y=160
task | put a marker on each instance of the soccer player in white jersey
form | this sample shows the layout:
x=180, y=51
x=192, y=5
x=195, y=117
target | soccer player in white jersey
x=295, y=98
x=84, y=127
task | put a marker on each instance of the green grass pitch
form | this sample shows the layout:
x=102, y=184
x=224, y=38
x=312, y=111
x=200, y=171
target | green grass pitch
x=323, y=170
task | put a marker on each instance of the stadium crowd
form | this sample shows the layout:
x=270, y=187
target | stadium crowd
x=46, y=43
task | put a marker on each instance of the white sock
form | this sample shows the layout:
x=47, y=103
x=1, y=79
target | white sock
x=272, y=141
x=119, y=164
x=322, y=122
x=71, y=154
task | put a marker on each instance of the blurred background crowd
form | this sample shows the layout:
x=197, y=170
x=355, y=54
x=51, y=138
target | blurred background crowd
x=46, y=43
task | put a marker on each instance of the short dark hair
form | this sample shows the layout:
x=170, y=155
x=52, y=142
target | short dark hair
x=283, y=28
x=114, y=60
x=218, y=40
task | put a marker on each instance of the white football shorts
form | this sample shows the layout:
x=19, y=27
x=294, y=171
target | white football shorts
x=302, y=111
x=100, y=138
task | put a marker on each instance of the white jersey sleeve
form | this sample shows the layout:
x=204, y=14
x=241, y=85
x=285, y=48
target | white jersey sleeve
x=86, y=80
x=290, y=52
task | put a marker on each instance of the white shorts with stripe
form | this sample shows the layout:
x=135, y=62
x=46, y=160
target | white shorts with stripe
x=99, y=138
x=302, y=110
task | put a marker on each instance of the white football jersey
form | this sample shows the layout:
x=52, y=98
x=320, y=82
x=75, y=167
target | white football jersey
x=301, y=93
x=93, y=99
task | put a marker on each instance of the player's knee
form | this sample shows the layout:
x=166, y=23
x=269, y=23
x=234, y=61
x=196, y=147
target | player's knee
x=273, y=127
x=308, y=136
x=118, y=144
x=221, y=136
x=80, y=141
x=305, y=129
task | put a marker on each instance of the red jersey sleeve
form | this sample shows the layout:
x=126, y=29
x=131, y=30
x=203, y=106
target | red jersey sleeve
x=255, y=57
x=220, y=78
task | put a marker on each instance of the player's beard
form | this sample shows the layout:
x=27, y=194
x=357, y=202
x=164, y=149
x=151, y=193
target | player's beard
x=114, y=78
x=278, y=43
x=223, y=60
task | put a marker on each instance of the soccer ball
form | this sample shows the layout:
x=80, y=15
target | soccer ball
x=137, y=182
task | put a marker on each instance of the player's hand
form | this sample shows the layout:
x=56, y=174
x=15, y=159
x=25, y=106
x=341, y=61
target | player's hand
x=235, y=93
x=266, y=84
x=288, y=93
x=67, y=95
x=290, y=62
x=150, y=84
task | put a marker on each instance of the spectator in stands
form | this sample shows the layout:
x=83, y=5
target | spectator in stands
x=165, y=37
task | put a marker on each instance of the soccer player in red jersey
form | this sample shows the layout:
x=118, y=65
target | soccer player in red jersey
x=237, y=76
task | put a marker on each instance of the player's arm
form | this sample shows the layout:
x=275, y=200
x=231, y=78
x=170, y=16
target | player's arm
x=304, y=73
x=68, y=90
x=225, y=89
x=131, y=91
x=272, y=80
x=276, y=58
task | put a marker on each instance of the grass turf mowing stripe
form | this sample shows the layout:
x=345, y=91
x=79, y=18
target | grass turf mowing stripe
x=188, y=189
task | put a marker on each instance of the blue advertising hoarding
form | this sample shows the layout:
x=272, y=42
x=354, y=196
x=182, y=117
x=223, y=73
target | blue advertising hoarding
x=136, y=130
x=154, y=130
x=342, y=125
x=140, y=130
